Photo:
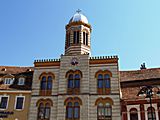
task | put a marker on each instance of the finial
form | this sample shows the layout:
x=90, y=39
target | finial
x=78, y=11
x=143, y=66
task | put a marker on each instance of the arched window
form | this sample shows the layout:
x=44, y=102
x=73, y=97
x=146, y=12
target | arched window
x=150, y=113
x=44, y=109
x=76, y=37
x=107, y=81
x=100, y=81
x=73, y=108
x=103, y=82
x=70, y=81
x=49, y=83
x=44, y=112
x=46, y=84
x=104, y=111
x=133, y=114
x=43, y=83
x=73, y=82
x=104, y=108
x=85, y=38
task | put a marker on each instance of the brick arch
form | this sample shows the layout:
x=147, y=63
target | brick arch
x=103, y=72
x=44, y=102
x=85, y=30
x=73, y=99
x=133, y=110
x=46, y=75
x=104, y=100
x=73, y=72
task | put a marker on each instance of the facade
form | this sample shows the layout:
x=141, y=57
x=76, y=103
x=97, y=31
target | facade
x=138, y=107
x=15, y=92
x=76, y=86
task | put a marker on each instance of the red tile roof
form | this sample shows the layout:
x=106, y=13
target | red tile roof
x=152, y=73
x=14, y=69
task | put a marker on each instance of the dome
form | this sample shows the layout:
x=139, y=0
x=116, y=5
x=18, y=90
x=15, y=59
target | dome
x=78, y=17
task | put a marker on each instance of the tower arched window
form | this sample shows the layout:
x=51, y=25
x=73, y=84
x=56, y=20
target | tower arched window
x=85, y=38
x=46, y=84
x=76, y=37
x=150, y=112
x=103, y=82
x=133, y=114
x=67, y=39
x=73, y=82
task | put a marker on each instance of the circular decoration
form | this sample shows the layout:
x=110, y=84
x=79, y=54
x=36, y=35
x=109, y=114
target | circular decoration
x=74, y=61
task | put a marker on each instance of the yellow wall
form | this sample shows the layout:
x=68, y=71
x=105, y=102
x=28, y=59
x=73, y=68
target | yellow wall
x=19, y=114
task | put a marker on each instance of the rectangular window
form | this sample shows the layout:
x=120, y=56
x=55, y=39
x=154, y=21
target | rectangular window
x=19, y=103
x=84, y=39
x=77, y=36
x=3, y=102
x=74, y=38
x=8, y=81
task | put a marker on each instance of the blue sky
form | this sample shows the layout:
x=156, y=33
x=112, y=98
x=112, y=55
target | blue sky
x=35, y=29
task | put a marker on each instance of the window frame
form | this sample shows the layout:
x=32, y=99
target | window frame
x=75, y=89
x=44, y=89
x=73, y=108
x=8, y=80
x=103, y=109
x=102, y=87
x=20, y=79
x=1, y=101
x=15, y=105
x=44, y=108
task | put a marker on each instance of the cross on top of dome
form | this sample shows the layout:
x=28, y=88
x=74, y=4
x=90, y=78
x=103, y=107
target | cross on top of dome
x=78, y=11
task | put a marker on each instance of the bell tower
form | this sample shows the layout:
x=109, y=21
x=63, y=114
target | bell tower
x=78, y=32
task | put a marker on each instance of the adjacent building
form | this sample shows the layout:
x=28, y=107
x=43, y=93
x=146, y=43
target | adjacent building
x=136, y=107
x=15, y=92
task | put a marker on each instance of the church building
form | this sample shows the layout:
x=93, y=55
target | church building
x=76, y=86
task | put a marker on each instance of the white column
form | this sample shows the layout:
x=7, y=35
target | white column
x=146, y=106
x=133, y=106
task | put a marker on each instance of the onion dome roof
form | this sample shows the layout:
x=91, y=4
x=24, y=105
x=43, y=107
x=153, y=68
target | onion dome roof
x=78, y=16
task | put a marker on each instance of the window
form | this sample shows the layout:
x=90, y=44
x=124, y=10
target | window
x=3, y=102
x=149, y=113
x=104, y=111
x=74, y=82
x=103, y=82
x=133, y=114
x=73, y=108
x=21, y=81
x=85, y=38
x=44, y=109
x=67, y=39
x=75, y=37
x=8, y=81
x=19, y=103
x=46, y=84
